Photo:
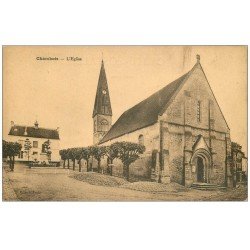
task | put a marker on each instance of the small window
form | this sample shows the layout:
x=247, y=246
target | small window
x=35, y=153
x=141, y=140
x=199, y=111
x=20, y=155
x=35, y=144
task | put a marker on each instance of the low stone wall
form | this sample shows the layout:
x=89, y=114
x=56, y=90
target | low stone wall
x=8, y=191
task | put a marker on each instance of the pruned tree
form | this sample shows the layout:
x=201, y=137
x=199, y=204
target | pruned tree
x=78, y=152
x=47, y=149
x=5, y=149
x=86, y=154
x=129, y=152
x=27, y=147
x=98, y=152
x=67, y=155
x=112, y=152
x=63, y=156
x=73, y=156
x=11, y=149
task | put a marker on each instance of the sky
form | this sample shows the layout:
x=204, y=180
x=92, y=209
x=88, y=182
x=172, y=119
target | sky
x=60, y=93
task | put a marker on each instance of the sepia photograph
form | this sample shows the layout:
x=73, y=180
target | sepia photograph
x=124, y=123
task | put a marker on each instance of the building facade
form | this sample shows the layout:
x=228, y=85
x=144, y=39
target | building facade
x=239, y=164
x=186, y=136
x=37, y=137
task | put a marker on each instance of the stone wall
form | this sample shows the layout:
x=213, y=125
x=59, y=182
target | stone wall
x=141, y=168
x=196, y=88
x=182, y=128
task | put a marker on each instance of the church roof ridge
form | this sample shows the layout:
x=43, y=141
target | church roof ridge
x=22, y=125
x=21, y=130
x=145, y=113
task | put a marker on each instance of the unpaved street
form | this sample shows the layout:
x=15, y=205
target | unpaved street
x=55, y=184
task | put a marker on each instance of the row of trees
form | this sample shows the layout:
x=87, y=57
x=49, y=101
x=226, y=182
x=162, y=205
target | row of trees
x=11, y=150
x=127, y=152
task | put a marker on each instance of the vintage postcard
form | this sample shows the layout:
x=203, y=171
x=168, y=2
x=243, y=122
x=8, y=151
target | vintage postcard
x=125, y=123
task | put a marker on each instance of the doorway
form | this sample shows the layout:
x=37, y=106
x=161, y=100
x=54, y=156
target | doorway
x=200, y=170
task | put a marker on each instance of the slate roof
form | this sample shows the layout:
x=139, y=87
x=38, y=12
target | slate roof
x=144, y=113
x=102, y=95
x=18, y=130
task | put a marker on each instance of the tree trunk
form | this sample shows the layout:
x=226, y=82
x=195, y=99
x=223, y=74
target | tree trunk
x=98, y=166
x=10, y=162
x=111, y=167
x=13, y=163
x=74, y=164
x=87, y=162
x=126, y=172
x=68, y=163
x=80, y=165
x=64, y=163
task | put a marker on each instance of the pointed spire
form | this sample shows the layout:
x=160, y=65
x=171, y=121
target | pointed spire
x=102, y=99
x=198, y=58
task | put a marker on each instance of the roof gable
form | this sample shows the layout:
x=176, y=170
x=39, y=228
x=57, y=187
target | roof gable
x=26, y=131
x=146, y=112
x=214, y=96
x=200, y=144
x=197, y=75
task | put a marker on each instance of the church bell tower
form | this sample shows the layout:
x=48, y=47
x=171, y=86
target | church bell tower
x=102, y=113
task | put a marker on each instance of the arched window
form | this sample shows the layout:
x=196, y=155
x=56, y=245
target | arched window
x=198, y=111
x=141, y=140
x=104, y=125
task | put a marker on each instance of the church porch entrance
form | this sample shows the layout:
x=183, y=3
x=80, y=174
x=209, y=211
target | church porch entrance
x=201, y=171
x=201, y=166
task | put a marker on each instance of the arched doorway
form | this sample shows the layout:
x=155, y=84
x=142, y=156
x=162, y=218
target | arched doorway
x=201, y=160
x=200, y=170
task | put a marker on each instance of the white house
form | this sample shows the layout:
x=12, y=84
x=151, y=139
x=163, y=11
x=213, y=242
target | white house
x=37, y=136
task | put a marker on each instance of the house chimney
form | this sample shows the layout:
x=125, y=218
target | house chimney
x=25, y=131
x=36, y=124
x=12, y=124
x=57, y=129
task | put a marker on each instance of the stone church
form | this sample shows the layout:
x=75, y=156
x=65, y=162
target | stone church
x=185, y=133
